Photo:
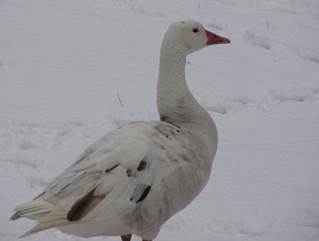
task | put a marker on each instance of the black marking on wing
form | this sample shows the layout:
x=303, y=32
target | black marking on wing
x=112, y=168
x=164, y=118
x=170, y=132
x=129, y=172
x=144, y=194
x=83, y=206
x=141, y=165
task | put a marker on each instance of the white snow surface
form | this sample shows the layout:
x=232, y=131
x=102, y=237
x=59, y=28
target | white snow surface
x=72, y=70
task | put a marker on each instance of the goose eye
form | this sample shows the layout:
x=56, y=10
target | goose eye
x=195, y=30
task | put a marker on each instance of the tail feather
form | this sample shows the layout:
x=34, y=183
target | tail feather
x=42, y=211
x=50, y=221
x=34, y=209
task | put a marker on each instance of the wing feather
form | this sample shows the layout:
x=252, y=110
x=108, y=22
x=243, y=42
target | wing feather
x=111, y=180
x=99, y=180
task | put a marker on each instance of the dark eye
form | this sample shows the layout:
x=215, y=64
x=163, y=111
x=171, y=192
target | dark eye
x=195, y=30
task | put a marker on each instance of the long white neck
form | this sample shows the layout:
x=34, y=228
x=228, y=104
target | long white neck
x=175, y=103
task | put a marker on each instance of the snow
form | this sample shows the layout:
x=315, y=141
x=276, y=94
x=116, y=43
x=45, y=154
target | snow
x=70, y=71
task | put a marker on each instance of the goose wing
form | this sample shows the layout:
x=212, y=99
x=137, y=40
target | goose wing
x=112, y=176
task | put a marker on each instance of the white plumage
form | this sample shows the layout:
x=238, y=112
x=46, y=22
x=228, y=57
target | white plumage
x=138, y=176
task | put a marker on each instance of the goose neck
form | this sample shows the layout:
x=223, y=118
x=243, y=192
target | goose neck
x=175, y=102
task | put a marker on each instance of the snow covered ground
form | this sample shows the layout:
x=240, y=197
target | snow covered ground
x=65, y=64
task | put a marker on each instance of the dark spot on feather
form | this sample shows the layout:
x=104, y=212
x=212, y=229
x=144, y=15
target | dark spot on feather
x=141, y=166
x=144, y=194
x=83, y=206
x=161, y=129
x=64, y=188
x=15, y=216
x=164, y=118
x=165, y=130
x=112, y=168
x=129, y=172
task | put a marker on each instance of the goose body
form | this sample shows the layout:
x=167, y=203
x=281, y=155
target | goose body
x=136, y=177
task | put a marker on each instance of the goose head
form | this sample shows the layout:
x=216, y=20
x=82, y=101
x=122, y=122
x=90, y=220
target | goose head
x=190, y=36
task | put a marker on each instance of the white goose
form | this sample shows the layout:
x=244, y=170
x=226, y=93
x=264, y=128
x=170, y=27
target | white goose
x=135, y=178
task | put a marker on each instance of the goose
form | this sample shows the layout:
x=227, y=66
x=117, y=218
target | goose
x=136, y=177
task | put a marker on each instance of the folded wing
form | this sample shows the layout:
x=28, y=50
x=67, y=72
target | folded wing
x=111, y=176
